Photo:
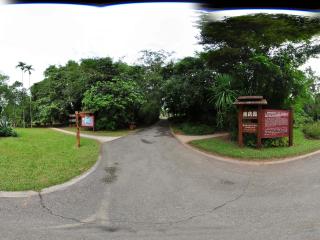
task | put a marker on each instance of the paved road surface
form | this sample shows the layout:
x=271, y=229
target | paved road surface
x=149, y=186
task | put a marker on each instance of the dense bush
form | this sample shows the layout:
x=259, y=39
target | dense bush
x=312, y=130
x=114, y=102
x=6, y=130
x=149, y=112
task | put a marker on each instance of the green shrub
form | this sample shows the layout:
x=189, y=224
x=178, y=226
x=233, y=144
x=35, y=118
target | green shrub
x=6, y=130
x=250, y=140
x=103, y=123
x=300, y=119
x=190, y=128
x=276, y=142
x=312, y=130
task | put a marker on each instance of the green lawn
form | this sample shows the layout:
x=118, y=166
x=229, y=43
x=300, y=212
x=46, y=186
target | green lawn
x=40, y=158
x=225, y=147
x=116, y=133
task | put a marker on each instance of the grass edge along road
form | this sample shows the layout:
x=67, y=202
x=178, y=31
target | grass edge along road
x=39, y=158
x=227, y=148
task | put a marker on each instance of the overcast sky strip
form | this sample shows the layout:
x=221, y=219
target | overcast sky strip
x=52, y=34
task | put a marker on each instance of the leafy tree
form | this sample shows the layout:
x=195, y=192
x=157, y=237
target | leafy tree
x=263, y=53
x=3, y=93
x=115, y=102
x=186, y=91
x=152, y=64
x=15, y=97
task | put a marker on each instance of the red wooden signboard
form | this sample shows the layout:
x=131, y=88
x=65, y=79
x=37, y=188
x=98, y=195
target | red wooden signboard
x=275, y=123
x=265, y=123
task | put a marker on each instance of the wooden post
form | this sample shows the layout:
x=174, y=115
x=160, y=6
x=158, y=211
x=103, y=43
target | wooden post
x=78, y=129
x=290, y=128
x=240, y=126
x=94, y=121
x=259, y=130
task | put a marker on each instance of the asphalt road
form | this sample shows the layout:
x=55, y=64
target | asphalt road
x=149, y=186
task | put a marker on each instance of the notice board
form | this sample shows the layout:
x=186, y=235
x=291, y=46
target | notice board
x=275, y=123
x=87, y=121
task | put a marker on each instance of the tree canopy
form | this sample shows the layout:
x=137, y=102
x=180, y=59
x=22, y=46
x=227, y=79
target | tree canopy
x=259, y=54
x=262, y=52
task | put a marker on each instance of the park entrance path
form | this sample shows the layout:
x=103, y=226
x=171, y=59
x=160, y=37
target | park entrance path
x=101, y=139
x=150, y=186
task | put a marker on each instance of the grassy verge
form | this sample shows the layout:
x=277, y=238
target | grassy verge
x=189, y=128
x=225, y=147
x=116, y=133
x=40, y=158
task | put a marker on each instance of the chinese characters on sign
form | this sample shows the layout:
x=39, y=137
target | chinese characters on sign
x=250, y=127
x=250, y=114
x=275, y=123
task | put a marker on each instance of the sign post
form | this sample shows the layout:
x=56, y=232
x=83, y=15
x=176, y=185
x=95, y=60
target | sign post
x=291, y=128
x=78, y=128
x=260, y=117
x=249, y=117
x=240, y=126
x=265, y=123
x=87, y=120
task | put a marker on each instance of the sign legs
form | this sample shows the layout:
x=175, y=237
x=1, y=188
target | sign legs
x=290, y=128
x=240, y=126
x=78, y=129
x=259, y=144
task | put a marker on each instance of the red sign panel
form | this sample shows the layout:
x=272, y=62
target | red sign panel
x=87, y=121
x=275, y=123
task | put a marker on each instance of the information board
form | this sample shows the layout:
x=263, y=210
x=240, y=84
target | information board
x=275, y=123
x=87, y=121
x=250, y=127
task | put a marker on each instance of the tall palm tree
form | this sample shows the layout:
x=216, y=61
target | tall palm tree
x=29, y=68
x=222, y=97
x=22, y=66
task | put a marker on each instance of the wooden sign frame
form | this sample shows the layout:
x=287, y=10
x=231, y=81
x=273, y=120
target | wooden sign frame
x=284, y=126
x=79, y=116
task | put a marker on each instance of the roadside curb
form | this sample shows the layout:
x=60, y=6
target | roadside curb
x=244, y=161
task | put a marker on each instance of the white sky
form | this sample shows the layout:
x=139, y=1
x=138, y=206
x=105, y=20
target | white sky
x=46, y=34
x=53, y=34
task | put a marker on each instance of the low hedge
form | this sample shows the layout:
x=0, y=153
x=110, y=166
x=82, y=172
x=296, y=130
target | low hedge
x=312, y=130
